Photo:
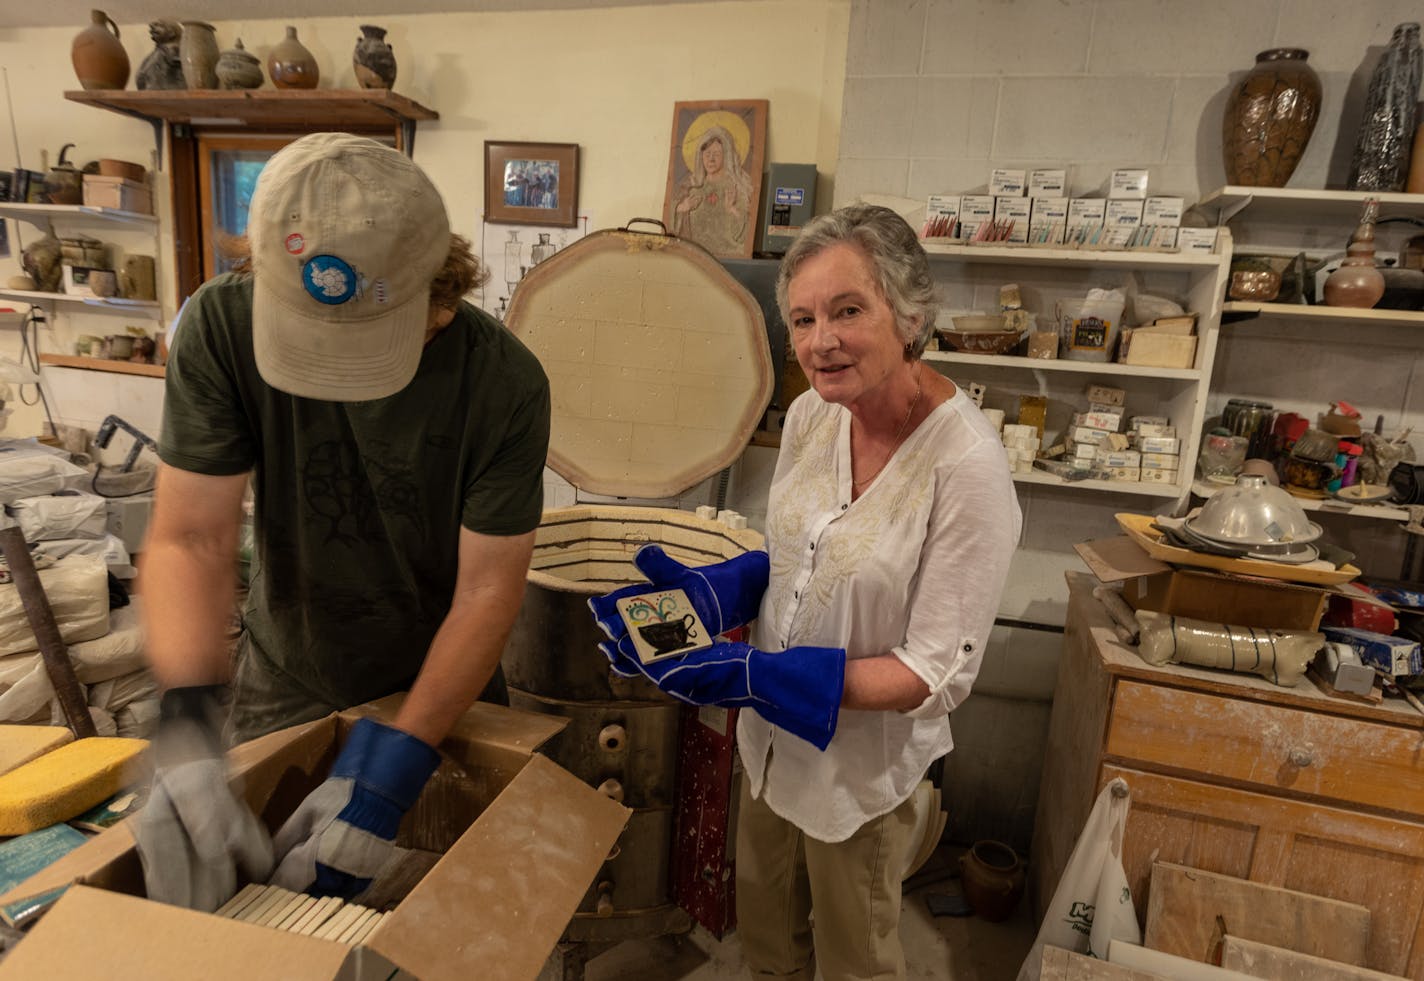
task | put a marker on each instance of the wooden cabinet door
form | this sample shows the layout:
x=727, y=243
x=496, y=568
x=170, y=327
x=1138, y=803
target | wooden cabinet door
x=1375, y=861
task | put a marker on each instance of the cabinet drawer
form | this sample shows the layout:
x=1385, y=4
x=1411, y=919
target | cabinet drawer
x=1369, y=763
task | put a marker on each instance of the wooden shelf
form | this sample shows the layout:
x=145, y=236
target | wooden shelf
x=263, y=108
x=1035, y=256
x=1275, y=203
x=113, y=304
x=100, y=364
x=1237, y=310
x=1061, y=364
x=1329, y=505
x=1102, y=486
x=44, y=213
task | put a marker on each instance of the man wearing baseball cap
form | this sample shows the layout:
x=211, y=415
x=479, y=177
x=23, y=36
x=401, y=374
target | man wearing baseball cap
x=394, y=438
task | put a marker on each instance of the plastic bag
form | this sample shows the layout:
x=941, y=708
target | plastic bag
x=1089, y=328
x=69, y=514
x=1092, y=904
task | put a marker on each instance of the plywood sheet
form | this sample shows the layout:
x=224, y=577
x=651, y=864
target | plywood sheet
x=1264, y=961
x=1183, y=905
x=1066, y=965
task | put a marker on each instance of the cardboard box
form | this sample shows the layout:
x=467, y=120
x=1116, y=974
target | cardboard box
x=1050, y=183
x=1004, y=181
x=521, y=841
x=1149, y=349
x=1217, y=597
x=1201, y=240
x=1162, y=211
x=1128, y=184
x=1396, y=655
x=1159, y=476
x=1106, y=394
x=1016, y=210
x=117, y=192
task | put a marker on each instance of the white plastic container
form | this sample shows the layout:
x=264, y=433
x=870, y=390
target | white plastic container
x=1088, y=328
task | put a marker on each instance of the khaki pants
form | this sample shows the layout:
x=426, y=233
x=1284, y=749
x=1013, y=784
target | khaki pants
x=853, y=886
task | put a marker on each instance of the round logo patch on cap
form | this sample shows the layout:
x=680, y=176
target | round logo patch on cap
x=329, y=279
x=296, y=243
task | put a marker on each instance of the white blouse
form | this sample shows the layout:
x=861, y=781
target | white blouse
x=914, y=566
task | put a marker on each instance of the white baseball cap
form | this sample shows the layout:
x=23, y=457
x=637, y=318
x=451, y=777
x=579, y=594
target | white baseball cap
x=346, y=236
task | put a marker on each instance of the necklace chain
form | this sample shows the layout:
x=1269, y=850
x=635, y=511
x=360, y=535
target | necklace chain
x=894, y=444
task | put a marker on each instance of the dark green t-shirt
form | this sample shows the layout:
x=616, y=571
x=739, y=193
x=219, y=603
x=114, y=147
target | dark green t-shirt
x=358, y=505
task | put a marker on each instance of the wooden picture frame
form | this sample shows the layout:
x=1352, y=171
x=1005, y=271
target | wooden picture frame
x=715, y=165
x=531, y=183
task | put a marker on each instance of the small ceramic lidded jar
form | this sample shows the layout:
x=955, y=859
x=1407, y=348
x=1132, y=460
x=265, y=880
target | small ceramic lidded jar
x=238, y=68
x=291, y=65
x=373, y=59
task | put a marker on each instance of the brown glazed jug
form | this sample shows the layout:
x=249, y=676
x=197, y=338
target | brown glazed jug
x=100, y=60
x=1358, y=282
x=291, y=65
x=993, y=879
x=1269, y=118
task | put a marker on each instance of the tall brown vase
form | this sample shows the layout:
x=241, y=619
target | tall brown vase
x=100, y=60
x=1269, y=118
x=1358, y=282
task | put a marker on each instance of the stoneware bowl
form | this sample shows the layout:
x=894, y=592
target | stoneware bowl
x=973, y=323
x=980, y=341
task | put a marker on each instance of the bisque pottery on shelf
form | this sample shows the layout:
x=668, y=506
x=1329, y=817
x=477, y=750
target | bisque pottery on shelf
x=162, y=70
x=1269, y=118
x=1358, y=282
x=291, y=65
x=64, y=184
x=198, y=49
x=239, y=68
x=99, y=58
x=373, y=59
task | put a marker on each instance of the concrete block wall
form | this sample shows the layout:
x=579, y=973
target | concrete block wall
x=939, y=92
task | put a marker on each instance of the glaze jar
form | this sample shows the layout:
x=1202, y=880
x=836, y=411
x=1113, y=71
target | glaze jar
x=993, y=879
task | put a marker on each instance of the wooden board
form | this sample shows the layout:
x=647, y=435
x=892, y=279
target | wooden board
x=1065, y=965
x=1264, y=961
x=1139, y=526
x=20, y=744
x=1183, y=905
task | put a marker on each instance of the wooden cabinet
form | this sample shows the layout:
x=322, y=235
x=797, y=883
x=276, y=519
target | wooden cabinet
x=1235, y=775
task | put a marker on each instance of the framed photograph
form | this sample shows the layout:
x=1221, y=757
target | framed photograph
x=531, y=183
x=714, y=174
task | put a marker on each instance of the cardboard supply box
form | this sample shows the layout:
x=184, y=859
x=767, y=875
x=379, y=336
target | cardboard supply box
x=1218, y=597
x=1150, y=349
x=117, y=192
x=521, y=840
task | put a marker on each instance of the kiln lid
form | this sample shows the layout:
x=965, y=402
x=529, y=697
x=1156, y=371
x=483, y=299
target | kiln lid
x=657, y=359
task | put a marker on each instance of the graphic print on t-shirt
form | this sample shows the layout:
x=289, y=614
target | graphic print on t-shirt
x=352, y=493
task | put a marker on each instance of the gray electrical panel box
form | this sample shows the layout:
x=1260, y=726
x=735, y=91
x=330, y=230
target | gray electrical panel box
x=788, y=200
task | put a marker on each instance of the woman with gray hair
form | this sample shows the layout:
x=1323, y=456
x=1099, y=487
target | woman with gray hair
x=890, y=525
x=889, y=529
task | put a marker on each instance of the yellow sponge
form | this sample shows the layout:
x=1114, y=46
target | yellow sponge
x=65, y=782
x=20, y=744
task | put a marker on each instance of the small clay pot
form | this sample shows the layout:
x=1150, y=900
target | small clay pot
x=993, y=879
x=238, y=68
x=290, y=65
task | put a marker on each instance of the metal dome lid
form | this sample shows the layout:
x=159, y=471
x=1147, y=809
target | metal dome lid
x=658, y=361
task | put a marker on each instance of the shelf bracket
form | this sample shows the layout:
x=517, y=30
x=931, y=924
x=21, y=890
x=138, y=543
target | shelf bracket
x=1231, y=211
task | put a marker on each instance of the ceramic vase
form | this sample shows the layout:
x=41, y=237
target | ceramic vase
x=100, y=60
x=1269, y=118
x=1358, y=282
x=163, y=68
x=291, y=65
x=1381, y=159
x=238, y=68
x=373, y=59
x=198, y=49
x=541, y=249
x=993, y=879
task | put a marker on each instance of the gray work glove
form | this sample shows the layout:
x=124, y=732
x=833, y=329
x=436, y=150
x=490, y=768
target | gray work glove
x=194, y=834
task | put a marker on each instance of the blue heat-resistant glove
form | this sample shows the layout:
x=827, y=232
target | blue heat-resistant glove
x=726, y=595
x=343, y=833
x=798, y=689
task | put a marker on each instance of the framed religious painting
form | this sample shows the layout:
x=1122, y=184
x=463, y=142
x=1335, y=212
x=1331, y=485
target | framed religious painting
x=531, y=183
x=714, y=174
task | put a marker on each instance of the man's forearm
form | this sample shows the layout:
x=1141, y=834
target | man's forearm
x=461, y=661
x=188, y=577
